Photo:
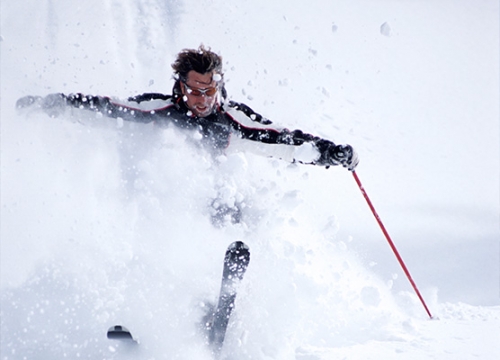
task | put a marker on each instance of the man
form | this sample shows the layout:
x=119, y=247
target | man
x=199, y=103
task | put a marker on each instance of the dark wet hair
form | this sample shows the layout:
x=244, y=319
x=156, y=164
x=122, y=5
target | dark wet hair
x=201, y=60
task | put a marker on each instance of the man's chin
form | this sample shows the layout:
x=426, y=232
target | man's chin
x=202, y=112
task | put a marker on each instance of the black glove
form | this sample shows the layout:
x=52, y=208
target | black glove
x=52, y=104
x=331, y=154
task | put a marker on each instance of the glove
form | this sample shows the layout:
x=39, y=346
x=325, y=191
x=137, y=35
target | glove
x=346, y=155
x=53, y=104
x=331, y=154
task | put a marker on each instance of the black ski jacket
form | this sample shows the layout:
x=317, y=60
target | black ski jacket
x=228, y=122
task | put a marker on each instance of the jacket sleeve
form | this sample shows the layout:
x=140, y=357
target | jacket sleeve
x=110, y=108
x=249, y=125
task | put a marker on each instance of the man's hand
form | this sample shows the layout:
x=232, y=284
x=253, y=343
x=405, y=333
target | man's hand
x=53, y=104
x=346, y=156
x=331, y=154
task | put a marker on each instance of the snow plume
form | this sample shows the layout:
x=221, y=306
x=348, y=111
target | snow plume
x=134, y=232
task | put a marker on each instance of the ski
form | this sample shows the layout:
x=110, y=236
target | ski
x=236, y=263
x=119, y=332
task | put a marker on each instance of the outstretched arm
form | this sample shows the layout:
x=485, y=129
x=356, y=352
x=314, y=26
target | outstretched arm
x=306, y=148
x=55, y=104
x=325, y=152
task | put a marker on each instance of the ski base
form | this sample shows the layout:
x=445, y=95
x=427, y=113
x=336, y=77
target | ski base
x=236, y=263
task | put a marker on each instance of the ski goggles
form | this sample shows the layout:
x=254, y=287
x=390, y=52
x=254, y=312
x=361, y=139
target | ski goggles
x=211, y=91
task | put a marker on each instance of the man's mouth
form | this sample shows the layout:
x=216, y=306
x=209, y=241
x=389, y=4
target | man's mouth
x=202, y=109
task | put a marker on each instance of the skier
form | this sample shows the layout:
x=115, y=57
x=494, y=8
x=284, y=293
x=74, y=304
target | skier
x=199, y=103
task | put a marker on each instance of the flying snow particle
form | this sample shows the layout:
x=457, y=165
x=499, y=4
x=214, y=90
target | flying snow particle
x=334, y=28
x=284, y=82
x=385, y=29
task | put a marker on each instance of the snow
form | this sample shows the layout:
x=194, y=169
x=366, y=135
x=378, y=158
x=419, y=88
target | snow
x=104, y=222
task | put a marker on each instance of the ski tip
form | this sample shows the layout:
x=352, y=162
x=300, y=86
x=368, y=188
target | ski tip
x=238, y=245
x=119, y=332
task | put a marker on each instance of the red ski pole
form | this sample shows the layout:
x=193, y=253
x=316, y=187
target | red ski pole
x=391, y=243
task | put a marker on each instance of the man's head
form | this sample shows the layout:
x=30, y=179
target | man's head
x=199, y=73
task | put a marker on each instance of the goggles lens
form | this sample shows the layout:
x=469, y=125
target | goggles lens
x=199, y=92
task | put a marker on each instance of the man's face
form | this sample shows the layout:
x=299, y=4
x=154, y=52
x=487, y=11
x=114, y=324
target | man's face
x=200, y=93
